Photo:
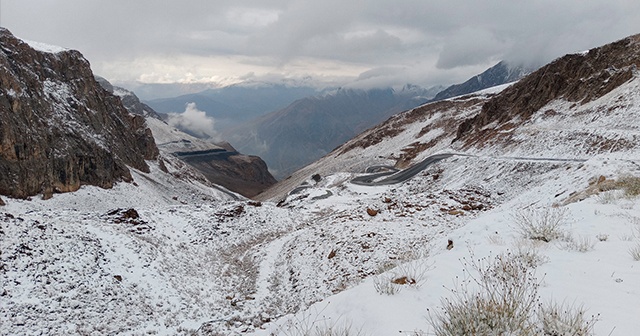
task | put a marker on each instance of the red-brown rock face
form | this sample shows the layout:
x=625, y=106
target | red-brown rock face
x=58, y=128
x=578, y=78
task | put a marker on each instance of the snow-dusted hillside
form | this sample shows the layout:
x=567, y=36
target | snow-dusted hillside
x=168, y=256
x=230, y=267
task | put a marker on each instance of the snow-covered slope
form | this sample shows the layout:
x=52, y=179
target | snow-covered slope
x=593, y=269
x=171, y=140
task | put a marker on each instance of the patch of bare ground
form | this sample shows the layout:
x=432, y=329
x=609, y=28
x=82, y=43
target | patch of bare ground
x=470, y=200
x=451, y=110
x=410, y=152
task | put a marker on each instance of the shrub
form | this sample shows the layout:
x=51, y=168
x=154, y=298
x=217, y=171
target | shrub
x=555, y=319
x=581, y=244
x=314, y=323
x=406, y=274
x=505, y=302
x=630, y=185
x=544, y=225
x=530, y=256
x=384, y=286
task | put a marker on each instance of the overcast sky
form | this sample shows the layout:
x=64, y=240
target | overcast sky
x=373, y=42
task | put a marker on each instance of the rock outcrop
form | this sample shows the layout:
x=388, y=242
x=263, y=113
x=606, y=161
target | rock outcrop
x=130, y=101
x=245, y=174
x=59, y=129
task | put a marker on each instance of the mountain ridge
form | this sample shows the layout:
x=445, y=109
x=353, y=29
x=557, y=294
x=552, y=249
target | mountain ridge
x=499, y=74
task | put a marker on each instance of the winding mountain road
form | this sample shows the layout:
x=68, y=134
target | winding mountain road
x=395, y=176
x=399, y=176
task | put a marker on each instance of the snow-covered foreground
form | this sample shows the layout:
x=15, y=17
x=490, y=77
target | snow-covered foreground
x=592, y=267
x=192, y=262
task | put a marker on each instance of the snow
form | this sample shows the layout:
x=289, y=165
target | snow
x=201, y=262
x=120, y=92
x=169, y=139
x=603, y=280
x=45, y=47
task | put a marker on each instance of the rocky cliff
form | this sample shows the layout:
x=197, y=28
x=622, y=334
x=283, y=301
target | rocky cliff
x=59, y=129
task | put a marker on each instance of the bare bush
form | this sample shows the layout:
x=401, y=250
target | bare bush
x=544, y=225
x=581, y=244
x=384, y=286
x=315, y=323
x=505, y=302
x=530, y=255
x=630, y=185
x=411, y=274
x=506, y=297
x=556, y=319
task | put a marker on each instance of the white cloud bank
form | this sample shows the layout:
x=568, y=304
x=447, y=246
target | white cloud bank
x=194, y=122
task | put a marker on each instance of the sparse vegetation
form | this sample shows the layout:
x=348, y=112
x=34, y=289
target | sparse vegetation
x=556, y=319
x=580, y=244
x=384, y=286
x=505, y=302
x=505, y=299
x=635, y=252
x=608, y=191
x=316, y=324
x=630, y=185
x=405, y=274
x=543, y=225
x=530, y=255
x=495, y=239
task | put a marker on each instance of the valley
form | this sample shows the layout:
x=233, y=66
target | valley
x=510, y=210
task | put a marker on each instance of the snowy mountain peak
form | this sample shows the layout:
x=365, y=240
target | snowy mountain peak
x=501, y=73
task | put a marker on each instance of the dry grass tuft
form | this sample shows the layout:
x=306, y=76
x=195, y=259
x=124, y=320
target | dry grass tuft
x=543, y=225
x=635, y=252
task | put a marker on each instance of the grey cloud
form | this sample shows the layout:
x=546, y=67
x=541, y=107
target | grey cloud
x=470, y=47
x=430, y=38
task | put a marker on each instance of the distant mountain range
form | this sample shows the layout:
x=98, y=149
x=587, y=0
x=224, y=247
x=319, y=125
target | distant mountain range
x=311, y=127
x=290, y=127
x=233, y=105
